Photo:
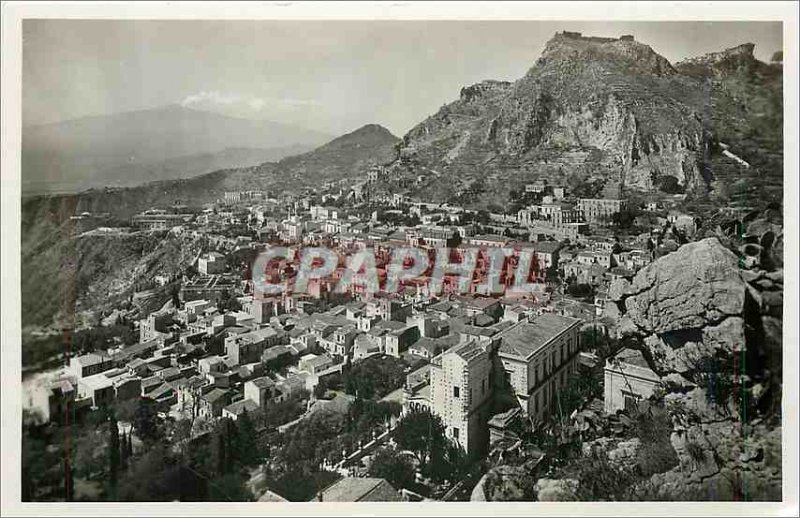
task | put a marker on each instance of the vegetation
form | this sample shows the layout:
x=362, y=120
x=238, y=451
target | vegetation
x=397, y=469
x=423, y=434
x=82, y=341
x=580, y=290
x=294, y=469
x=229, y=302
x=375, y=377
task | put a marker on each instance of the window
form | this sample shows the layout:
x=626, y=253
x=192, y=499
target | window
x=456, y=392
x=455, y=433
x=631, y=401
x=483, y=386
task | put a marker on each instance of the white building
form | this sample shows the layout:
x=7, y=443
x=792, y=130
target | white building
x=211, y=264
x=628, y=379
x=539, y=356
x=461, y=388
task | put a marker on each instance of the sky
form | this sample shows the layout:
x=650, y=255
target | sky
x=330, y=76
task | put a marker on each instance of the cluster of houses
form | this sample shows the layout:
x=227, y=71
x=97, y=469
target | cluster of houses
x=200, y=359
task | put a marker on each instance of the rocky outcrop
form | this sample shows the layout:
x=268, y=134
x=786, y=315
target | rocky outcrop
x=704, y=323
x=635, y=118
x=716, y=464
x=707, y=319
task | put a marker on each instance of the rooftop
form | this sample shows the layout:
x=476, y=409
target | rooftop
x=356, y=489
x=263, y=382
x=632, y=357
x=468, y=350
x=525, y=338
x=215, y=395
x=242, y=406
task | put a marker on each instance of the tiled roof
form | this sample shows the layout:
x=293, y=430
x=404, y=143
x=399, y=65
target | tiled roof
x=358, y=489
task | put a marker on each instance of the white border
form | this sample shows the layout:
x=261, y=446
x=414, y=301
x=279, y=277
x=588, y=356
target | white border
x=12, y=14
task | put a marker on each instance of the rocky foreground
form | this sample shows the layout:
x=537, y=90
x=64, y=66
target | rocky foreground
x=708, y=320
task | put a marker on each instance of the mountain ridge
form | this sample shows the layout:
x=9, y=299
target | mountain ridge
x=589, y=110
x=88, y=151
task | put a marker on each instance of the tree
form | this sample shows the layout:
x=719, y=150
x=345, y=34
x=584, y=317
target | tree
x=320, y=389
x=247, y=444
x=174, y=294
x=69, y=481
x=113, y=453
x=229, y=302
x=599, y=479
x=146, y=422
x=580, y=290
x=229, y=488
x=216, y=344
x=221, y=455
x=669, y=184
x=123, y=452
x=129, y=446
x=396, y=469
x=423, y=434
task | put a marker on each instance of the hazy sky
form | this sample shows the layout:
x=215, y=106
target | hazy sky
x=331, y=76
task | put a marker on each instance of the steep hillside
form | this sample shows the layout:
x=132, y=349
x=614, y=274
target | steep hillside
x=756, y=89
x=131, y=148
x=65, y=272
x=590, y=108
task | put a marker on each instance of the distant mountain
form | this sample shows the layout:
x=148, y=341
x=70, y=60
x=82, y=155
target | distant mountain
x=348, y=156
x=129, y=148
x=595, y=114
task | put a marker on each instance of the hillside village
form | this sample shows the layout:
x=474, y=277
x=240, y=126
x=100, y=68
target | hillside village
x=654, y=326
x=218, y=350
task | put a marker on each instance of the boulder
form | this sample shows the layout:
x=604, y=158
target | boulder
x=698, y=284
x=556, y=490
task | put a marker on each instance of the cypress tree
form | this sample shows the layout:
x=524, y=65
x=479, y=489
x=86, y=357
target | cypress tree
x=114, y=452
x=69, y=477
x=220, y=451
x=248, y=445
x=123, y=452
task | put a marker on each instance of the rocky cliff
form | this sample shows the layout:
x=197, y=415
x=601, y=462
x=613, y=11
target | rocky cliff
x=708, y=320
x=603, y=108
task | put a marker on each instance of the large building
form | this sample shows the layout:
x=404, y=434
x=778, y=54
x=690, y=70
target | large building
x=539, y=356
x=249, y=346
x=594, y=210
x=211, y=264
x=89, y=365
x=461, y=389
x=208, y=288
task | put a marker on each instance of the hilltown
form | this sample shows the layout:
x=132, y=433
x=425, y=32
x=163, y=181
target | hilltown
x=431, y=271
x=483, y=362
